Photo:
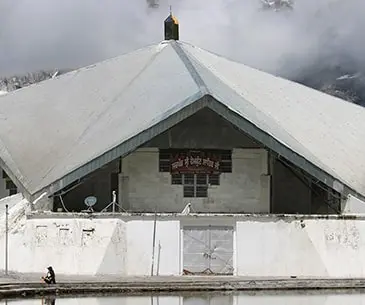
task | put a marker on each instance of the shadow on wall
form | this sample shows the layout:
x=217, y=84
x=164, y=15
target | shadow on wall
x=294, y=192
x=99, y=184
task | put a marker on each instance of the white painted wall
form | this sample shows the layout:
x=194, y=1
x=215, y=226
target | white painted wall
x=87, y=246
x=77, y=246
x=246, y=189
x=95, y=246
x=313, y=247
x=140, y=244
x=265, y=245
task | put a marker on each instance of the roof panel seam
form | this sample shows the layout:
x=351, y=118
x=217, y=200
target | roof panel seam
x=116, y=98
x=189, y=107
x=272, y=143
x=190, y=67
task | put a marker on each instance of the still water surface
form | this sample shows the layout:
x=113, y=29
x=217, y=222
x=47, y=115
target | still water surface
x=241, y=299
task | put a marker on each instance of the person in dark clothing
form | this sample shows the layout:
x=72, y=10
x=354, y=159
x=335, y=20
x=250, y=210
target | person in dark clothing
x=50, y=278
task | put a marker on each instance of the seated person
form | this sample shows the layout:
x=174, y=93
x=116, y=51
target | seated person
x=50, y=278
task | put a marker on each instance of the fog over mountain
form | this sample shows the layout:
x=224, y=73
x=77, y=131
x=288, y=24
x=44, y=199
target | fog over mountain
x=319, y=43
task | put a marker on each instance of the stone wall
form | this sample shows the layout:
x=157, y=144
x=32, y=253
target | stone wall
x=246, y=189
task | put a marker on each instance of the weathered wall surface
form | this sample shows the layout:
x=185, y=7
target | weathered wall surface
x=264, y=245
x=246, y=189
x=84, y=246
x=140, y=245
x=312, y=247
x=147, y=189
x=267, y=246
x=98, y=246
x=78, y=246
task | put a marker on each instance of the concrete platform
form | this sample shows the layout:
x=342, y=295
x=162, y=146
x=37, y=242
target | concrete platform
x=30, y=285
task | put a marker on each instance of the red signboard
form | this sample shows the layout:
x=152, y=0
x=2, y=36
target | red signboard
x=195, y=162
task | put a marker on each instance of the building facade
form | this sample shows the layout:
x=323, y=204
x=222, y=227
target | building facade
x=179, y=161
x=207, y=162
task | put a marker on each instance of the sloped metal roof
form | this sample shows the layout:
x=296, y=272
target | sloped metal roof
x=58, y=131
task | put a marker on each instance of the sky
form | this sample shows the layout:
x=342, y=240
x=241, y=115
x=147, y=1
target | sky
x=54, y=34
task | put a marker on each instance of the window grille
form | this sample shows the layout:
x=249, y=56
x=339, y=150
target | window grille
x=195, y=185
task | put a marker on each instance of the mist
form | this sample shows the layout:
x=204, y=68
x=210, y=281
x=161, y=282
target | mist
x=53, y=34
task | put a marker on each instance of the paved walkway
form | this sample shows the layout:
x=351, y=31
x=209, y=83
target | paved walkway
x=27, y=285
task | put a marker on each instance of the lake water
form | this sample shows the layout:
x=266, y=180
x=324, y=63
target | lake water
x=353, y=298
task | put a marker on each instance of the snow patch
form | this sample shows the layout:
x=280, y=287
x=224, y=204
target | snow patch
x=17, y=213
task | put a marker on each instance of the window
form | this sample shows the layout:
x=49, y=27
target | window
x=176, y=179
x=213, y=179
x=165, y=160
x=195, y=170
x=226, y=161
x=195, y=185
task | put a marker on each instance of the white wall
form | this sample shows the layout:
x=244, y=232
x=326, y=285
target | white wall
x=140, y=245
x=246, y=189
x=313, y=247
x=265, y=245
x=88, y=246
x=77, y=246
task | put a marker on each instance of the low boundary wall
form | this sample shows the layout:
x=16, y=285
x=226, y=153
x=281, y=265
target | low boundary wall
x=121, y=244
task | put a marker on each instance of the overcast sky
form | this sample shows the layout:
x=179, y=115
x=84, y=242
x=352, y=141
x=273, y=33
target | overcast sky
x=49, y=34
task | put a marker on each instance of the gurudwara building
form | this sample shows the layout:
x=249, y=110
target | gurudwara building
x=178, y=158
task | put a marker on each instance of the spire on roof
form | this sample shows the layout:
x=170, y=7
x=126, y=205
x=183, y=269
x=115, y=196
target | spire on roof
x=171, y=27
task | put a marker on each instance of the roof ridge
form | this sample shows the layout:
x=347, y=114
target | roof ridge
x=101, y=114
x=209, y=69
x=190, y=67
